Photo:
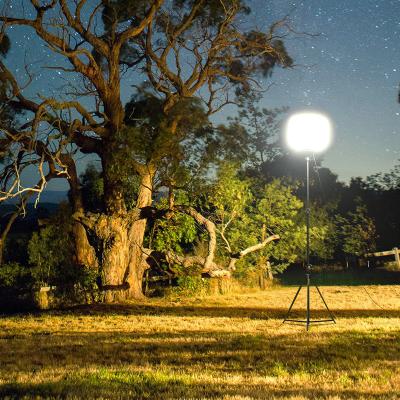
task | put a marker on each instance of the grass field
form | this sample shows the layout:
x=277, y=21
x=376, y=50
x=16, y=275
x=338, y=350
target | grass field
x=226, y=347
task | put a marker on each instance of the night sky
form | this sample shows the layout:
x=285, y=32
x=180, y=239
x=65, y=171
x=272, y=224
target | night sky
x=350, y=71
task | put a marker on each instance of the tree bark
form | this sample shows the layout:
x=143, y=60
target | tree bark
x=137, y=265
x=120, y=254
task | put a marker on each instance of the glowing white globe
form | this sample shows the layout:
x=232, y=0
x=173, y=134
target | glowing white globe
x=308, y=132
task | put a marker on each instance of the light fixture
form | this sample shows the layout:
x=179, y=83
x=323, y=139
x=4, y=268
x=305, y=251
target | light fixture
x=308, y=132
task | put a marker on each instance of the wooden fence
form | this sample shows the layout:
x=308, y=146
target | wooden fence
x=395, y=252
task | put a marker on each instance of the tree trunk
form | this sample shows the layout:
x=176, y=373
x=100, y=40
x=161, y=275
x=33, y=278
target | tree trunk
x=269, y=271
x=85, y=254
x=119, y=237
x=137, y=264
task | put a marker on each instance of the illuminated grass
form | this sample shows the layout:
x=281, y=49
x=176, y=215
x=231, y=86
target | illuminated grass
x=226, y=347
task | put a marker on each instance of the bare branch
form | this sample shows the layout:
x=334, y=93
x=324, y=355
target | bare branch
x=210, y=227
x=237, y=256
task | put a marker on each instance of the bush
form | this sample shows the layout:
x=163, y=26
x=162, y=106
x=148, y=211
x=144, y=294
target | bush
x=14, y=275
x=16, y=247
x=191, y=285
x=50, y=256
x=51, y=252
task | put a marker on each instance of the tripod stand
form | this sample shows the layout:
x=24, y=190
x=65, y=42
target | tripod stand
x=308, y=320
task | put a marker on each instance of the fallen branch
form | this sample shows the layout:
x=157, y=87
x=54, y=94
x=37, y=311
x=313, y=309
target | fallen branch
x=237, y=256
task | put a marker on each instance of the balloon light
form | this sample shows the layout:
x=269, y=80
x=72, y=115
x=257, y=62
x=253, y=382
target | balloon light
x=308, y=132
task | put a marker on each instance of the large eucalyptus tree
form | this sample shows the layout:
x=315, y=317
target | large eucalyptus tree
x=183, y=59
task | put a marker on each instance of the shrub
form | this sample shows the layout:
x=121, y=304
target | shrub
x=14, y=275
x=191, y=285
x=51, y=252
x=50, y=255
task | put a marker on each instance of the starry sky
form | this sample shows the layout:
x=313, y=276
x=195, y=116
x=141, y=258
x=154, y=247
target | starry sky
x=350, y=70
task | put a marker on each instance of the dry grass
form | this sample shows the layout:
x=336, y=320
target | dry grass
x=226, y=347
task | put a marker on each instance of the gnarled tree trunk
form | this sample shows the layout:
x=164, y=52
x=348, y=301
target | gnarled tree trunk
x=118, y=241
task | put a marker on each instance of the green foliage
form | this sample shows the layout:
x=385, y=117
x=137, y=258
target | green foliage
x=191, y=285
x=229, y=196
x=245, y=213
x=323, y=231
x=19, y=241
x=278, y=209
x=14, y=275
x=177, y=233
x=357, y=231
x=51, y=253
x=171, y=140
x=92, y=188
x=93, y=185
x=51, y=250
x=252, y=137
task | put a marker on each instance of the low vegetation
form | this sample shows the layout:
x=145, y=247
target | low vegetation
x=228, y=347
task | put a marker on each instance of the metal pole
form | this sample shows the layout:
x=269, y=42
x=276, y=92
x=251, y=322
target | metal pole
x=308, y=266
x=308, y=321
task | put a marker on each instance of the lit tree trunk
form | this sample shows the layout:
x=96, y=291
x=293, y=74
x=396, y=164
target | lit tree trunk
x=120, y=235
x=137, y=264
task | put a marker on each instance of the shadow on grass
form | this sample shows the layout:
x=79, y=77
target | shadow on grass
x=141, y=386
x=263, y=313
x=220, y=351
x=116, y=364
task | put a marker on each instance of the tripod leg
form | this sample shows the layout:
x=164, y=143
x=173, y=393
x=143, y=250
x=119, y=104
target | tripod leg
x=326, y=305
x=291, y=305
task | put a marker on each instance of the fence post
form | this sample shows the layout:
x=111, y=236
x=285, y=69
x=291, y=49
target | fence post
x=397, y=256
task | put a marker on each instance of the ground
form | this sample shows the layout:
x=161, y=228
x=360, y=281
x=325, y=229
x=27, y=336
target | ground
x=225, y=347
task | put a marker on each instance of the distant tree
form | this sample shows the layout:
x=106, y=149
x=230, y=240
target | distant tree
x=326, y=189
x=381, y=196
x=384, y=189
x=252, y=137
x=358, y=233
x=385, y=181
